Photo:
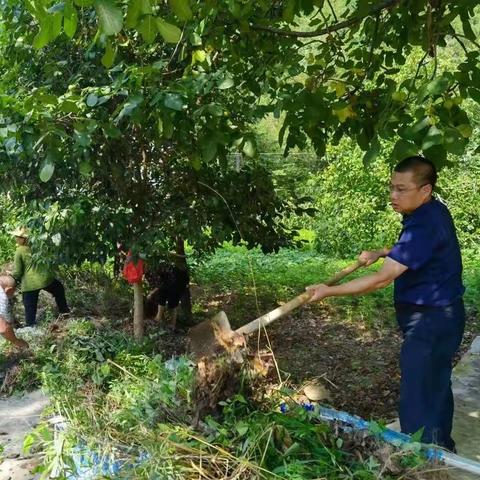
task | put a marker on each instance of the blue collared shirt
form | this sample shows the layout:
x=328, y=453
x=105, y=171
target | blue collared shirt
x=428, y=246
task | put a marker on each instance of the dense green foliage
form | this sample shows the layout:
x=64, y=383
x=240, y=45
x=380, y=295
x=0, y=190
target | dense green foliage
x=128, y=111
x=142, y=121
x=277, y=277
x=352, y=211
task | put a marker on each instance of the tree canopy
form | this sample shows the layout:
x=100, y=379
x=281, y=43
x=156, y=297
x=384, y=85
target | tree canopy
x=129, y=112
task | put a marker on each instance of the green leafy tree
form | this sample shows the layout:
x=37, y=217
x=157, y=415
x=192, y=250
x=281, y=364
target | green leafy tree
x=127, y=111
x=136, y=147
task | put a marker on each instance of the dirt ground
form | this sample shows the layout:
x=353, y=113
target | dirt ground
x=359, y=367
x=356, y=363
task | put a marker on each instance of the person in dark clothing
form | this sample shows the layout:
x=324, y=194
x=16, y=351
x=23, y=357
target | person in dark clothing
x=426, y=266
x=169, y=283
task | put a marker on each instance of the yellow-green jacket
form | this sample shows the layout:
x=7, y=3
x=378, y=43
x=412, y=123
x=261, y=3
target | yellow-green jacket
x=30, y=277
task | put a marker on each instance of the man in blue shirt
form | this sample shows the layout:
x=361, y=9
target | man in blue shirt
x=426, y=266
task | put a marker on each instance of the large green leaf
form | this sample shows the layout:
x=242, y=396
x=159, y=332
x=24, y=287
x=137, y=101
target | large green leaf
x=289, y=11
x=70, y=19
x=109, y=55
x=433, y=137
x=169, y=32
x=110, y=16
x=42, y=37
x=137, y=8
x=414, y=132
x=437, y=154
x=84, y=3
x=182, y=9
x=173, y=101
x=130, y=105
x=91, y=100
x=56, y=25
x=372, y=153
x=467, y=28
x=226, y=83
x=404, y=149
x=85, y=168
x=148, y=29
x=209, y=149
x=196, y=162
x=47, y=171
x=50, y=28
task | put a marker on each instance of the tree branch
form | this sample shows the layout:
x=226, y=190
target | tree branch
x=332, y=10
x=459, y=35
x=456, y=37
x=332, y=28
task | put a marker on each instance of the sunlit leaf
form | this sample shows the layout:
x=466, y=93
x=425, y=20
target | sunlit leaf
x=70, y=19
x=169, y=32
x=85, y=168
x=110, y=16
x=109, y=55
x=47, y=171
x=173, y=101
x=92, y=100
x=148, y=28
x=182, y=9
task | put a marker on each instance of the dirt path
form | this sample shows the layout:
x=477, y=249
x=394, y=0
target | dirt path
x=18, y=415
x=466, y=422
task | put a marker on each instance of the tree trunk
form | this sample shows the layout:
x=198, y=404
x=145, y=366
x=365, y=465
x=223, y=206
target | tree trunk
x=138, y=324
x=185, y=301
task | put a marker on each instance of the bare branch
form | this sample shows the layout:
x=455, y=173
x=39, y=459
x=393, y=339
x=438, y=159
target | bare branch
x=332, y=28
x=456, y=37
x=332, y=10
x=459, y=35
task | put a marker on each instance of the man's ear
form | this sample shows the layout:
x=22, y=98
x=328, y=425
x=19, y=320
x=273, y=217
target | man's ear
x=428, y=189
x=10, y=291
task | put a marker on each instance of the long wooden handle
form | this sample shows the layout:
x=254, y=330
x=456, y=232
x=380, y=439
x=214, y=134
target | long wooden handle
x=343, y=273
x=298, y=301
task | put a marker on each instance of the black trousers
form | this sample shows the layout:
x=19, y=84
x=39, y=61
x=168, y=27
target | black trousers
x=30, y=301
x=431, y=336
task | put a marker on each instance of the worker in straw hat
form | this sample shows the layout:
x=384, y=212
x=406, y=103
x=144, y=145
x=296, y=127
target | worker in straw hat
x=33, y=278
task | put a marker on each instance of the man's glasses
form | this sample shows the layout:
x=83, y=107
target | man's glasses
x=403, y=190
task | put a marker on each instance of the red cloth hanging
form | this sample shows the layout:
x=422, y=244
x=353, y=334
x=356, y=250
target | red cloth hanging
x=133, y=271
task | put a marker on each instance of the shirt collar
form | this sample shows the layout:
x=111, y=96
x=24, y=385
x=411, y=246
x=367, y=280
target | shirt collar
x=420, y=209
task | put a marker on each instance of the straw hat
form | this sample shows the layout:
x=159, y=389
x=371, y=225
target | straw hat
x=22, y=232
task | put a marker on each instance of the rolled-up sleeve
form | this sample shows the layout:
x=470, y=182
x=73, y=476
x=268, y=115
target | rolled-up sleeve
x=415, y=246
x=18, y=267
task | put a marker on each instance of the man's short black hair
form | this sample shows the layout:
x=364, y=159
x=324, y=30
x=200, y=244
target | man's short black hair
x=423, y=169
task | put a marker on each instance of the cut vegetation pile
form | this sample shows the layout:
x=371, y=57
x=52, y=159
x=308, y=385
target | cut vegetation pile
x=123, y=398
